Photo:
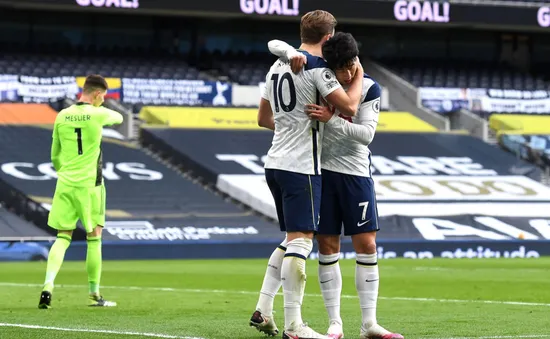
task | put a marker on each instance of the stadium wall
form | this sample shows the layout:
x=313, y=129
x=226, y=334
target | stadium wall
x=475, y=125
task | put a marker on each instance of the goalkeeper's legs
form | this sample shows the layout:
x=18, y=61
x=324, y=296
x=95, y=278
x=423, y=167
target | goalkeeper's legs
x=55, y=260
x=93, y=267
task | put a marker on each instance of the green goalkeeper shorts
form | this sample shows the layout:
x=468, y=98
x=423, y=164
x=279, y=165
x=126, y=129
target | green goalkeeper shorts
x=73, y=203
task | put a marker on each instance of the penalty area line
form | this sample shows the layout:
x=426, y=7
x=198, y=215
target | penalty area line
x=344, y=296
x=86, y=330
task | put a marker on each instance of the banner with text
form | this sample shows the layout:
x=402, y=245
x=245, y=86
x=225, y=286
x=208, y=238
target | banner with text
x=432, y=12
x=176, y=92
x=9, y=84
x=447, y=100
x=433, y=175
x=39, y=89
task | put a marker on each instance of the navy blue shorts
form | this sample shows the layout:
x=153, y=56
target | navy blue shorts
x=349, y=200
x=297, y=199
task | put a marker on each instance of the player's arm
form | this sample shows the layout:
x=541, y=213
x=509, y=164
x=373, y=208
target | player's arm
x=346, y=102
x=56, y=149
x=288, y=53
x=265, y=113
x=111, y=117
x=367, y=118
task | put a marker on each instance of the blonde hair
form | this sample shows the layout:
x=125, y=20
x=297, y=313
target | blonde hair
x=315, y=25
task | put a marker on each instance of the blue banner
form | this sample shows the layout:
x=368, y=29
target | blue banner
x=176, y=92
x=445, y=106
x=8, y=87
x=387, y=249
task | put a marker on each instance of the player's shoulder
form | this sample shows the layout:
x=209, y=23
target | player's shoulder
x=313, y=62
x=369, y=81
x=63, y=113
x=371, y=88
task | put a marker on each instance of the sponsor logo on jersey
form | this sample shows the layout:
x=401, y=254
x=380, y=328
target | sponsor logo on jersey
x=327, y=76
x=376, y=106
x=332, y=84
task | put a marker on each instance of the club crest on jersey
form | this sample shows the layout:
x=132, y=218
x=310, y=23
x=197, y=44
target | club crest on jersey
x=376, y=106
x=327, y=75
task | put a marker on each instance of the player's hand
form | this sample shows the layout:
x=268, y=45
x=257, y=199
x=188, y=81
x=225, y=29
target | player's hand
x=321, y=113
x=360, y=70
x=297, y=62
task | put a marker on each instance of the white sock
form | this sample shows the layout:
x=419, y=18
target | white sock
x=272, y=280
x=294, y=279
x=367, y=281
x=330, y=280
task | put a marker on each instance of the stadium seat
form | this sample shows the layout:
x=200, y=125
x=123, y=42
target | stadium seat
x=460, y=74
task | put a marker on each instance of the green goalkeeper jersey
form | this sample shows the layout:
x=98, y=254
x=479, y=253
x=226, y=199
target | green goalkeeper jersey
x=76, y=145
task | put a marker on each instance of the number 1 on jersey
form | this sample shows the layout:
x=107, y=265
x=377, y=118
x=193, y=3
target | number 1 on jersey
x=278, y=89
x=78, y=132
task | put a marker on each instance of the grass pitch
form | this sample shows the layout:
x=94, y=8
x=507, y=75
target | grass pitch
x=213, y=299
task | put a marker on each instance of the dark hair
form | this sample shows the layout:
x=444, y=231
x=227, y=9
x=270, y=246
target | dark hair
x=94, y=82
x=315, y=25
x=340, y=51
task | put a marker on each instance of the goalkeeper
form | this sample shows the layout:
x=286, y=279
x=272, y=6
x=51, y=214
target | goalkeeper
x=80, y=191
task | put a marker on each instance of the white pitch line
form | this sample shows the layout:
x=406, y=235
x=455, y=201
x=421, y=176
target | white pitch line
x=344, y=296
x=63, y=329
x=501, y=337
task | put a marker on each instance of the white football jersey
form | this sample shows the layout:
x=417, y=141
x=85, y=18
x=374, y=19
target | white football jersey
x=296, y=145
x=345, y=144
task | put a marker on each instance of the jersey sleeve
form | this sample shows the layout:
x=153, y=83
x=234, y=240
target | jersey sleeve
x=366, y=120
x=56, y=149
x=267, y=88
x=281, y=49
x=325, y=81
x=110, y=117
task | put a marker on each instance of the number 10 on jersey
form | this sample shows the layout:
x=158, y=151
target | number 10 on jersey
x=278, y=92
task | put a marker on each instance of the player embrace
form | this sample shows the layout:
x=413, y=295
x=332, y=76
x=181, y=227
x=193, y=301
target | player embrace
x=80, y=191
x=293, y=168
x=348, y=195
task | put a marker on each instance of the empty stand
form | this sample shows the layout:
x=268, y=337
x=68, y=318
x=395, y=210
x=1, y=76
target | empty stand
x=465, y=74
x=243, y=68
x=44, y=65
x=13, y=227
x=139, y=188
